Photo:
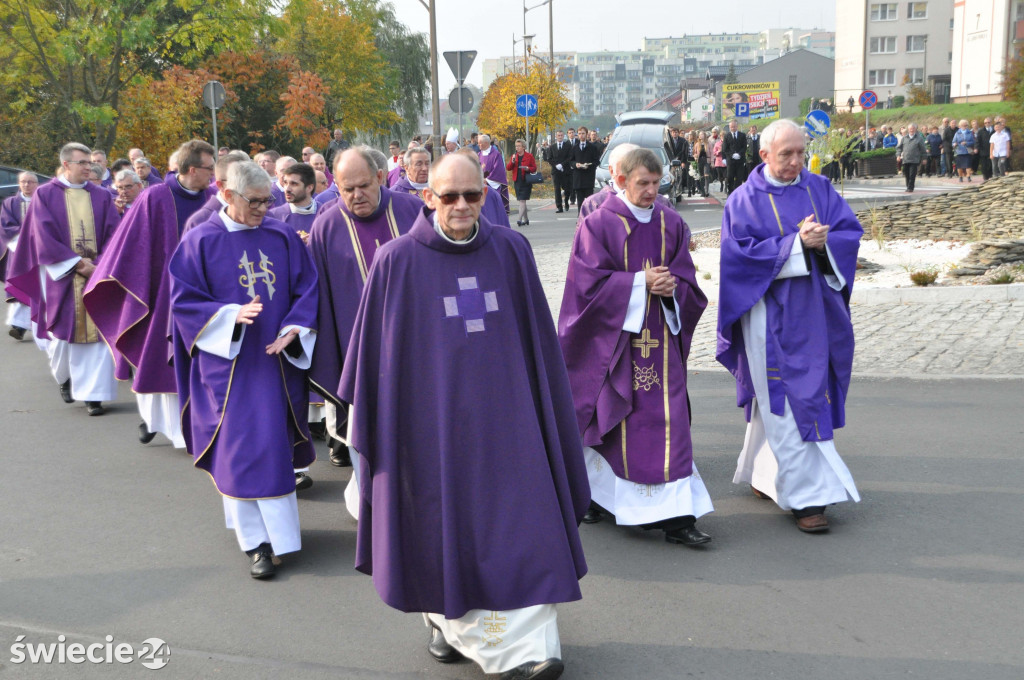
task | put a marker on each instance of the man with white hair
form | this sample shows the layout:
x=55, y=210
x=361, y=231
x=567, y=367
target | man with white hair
x=12, y=216
x=472, y=476
x=129, y=295
x=277, y=187
x=494, y=169
x=594, y=201
x=629, y=310
x=334, y=149
x=417, y=168
x=128, y=187
x=789, y=253
x=66, y=230
x=250, y=336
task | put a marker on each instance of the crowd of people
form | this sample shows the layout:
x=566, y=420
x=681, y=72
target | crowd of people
x=394, y=311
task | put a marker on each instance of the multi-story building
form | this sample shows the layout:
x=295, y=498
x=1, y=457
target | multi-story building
x=888, y=46
x=986, y=35
x=492, y=68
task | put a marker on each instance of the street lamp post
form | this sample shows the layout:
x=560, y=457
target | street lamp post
x=435, y=100
x=551, y=29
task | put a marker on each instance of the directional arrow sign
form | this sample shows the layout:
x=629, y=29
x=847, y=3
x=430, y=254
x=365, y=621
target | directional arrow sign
x=526, y=105
x=459, y=63
x=817, y=123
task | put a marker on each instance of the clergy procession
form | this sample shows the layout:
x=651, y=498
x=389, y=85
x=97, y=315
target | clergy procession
x=379, y=309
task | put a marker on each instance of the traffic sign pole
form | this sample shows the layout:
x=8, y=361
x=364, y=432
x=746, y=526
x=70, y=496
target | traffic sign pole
x=215, y=146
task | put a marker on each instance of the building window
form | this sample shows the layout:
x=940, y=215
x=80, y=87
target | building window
x=884, y=11
x=915, y=76
x=917, y=10
x=885, y=76
x=882, y=45
x=792, y=86
x=915, y=43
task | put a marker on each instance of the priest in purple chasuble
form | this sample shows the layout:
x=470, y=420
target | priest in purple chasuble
x=789, y=253
x=595, y=201
x=12, y=216
x=630, y=307
x=472, y=474
x=243, y=299
x=493, y=211
x=215, y=203
x=343, y=241
x=494, y=170
x=417, y=168
x=66, y=230
x=129, y=294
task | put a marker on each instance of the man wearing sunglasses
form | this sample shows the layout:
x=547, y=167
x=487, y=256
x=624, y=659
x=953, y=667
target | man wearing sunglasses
x=244, y=298
x=461, y=411
x=129, y=294
x=344, y=238
x=66, y=230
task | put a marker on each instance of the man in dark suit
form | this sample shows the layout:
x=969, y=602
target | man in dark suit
x=584, y=159
x=570, y=138
x=984, y=143
x=558, y=154
x=753, y=150
x=734, y=150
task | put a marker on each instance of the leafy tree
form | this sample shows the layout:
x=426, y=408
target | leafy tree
x=730, y=76
x=498, y=116
x=77, y=56
x=1013, y=80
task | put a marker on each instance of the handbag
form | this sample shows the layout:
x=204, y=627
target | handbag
x=534, y=178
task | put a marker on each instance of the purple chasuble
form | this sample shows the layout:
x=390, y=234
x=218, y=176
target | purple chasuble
x=630, y=388
x=47, y=238
x=298, y=221
x=154, y=177
x=278, y=194
x=494, y=170
x=243, y=419
x=11, y=216
x=211, y=207
x=810, y=336
x=473, y=480
x=394, y=175
x=327, y=197
x=595, y=201
x=494, y=210
x=129, y=296
x=404, y=186
x=343, y=247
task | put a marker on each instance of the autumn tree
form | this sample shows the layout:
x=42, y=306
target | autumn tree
x=498, y=116
x=77, y=57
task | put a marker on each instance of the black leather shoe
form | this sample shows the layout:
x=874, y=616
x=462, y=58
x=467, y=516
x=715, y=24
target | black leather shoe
x=593, y=515
x=519, y=223
x=17, y=332
x=318, y=430
x=339, y=455
x=558, y=211
x=439, y=648
x=688, y=536
x=145, y=436
x=94, y=408
x=302, y=481
x=262, y=561
x=536, y=670
x=65, y=392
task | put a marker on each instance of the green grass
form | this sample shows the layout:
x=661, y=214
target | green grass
x=931, y=114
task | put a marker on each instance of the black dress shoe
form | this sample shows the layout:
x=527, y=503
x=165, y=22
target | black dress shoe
x=65, y=392
x=593, y=514
x=688, y=536
x=145, y=436
x=439, y=648
x=94, y=408
x=318, y=430
x=535, y=670
x=527, y=222
x=262, y=561
x=558, y=211
x=339, y=455
x=302, y=481
x=17, y=332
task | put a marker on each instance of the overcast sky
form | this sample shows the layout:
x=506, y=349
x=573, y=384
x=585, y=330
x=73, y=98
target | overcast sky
x=487, y=26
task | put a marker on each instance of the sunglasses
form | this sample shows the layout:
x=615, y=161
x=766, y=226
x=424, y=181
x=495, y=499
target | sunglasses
x=452, y=198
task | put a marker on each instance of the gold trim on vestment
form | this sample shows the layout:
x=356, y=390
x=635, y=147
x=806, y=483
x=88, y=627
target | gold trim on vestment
x=360, y=258
x=777, y=218
x=287, y=394
x=113, y=347
x=625, y=463
x=392, y=223
x=82, y=226
x=223, y=412
x=664, y=391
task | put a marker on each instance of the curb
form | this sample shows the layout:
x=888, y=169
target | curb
x=937, y=295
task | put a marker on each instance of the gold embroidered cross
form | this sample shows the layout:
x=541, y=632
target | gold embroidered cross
x=646, y=343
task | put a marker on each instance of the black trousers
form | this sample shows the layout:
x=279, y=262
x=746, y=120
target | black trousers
x=733, y=174
x=581, y=195
x=909, y=174
x=563, y=188
x=986, y=167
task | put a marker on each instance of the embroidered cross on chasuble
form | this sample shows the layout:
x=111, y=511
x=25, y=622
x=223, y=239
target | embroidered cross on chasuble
x=471, y=304
x=82, y=223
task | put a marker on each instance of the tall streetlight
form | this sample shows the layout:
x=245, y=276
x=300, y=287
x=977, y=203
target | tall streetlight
x=551, y=29
x=435, y=101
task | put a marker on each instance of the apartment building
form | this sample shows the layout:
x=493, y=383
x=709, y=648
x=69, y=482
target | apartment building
x=986, y=35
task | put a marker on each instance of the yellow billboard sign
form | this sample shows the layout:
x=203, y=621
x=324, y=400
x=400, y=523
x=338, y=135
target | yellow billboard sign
x=758, y=101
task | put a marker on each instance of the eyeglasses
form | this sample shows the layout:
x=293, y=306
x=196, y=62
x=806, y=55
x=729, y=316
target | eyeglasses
x=84, y=161
x=257, y=203
x=452, y=198
x=205, y=167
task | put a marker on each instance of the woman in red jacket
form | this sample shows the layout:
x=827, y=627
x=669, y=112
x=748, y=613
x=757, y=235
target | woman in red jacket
x=521, y=163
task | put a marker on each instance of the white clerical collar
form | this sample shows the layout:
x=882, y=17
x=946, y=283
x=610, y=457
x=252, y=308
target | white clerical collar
x=106, y=175
x=184, y=188
x=231, y=224
x=70, y=185
x=778, y=182
x=308, y=209
x=220, y=198
x=439, y=230
x=643, y=215
x=417, y=185
x=278, y=184
x=487, y=151
x=24, y=197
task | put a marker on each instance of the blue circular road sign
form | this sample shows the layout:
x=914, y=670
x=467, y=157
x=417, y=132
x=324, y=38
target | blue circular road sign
x=868, y=99
x=526, y=105
x=817, y=123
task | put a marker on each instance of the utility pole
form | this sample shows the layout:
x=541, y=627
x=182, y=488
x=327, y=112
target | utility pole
x=435, y=100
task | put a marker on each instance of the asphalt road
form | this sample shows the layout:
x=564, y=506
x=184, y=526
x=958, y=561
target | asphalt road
x=100, y=536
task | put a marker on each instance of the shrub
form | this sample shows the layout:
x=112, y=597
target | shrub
x=924, y=277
